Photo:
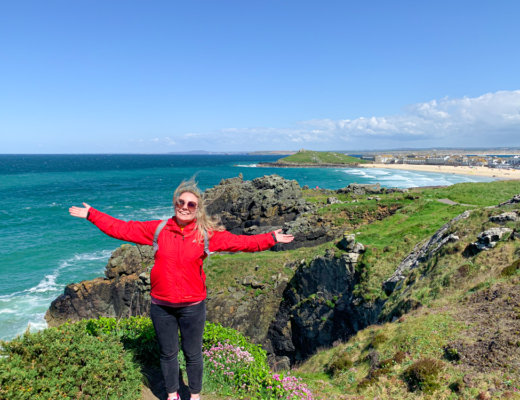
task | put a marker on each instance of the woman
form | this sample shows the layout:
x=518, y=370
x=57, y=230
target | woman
x=177, y=278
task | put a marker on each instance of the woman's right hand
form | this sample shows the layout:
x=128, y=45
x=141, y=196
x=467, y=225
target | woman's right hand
x=80, y=212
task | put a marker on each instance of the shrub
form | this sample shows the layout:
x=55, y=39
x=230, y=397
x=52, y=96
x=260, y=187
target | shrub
x=235, y=365
x=451, y=353
x=95, y=359
x=293, y=388
x=511, y=269
x=423, y=375
x=341, y=362
x=377, y=340
x=229, y=366
x=64, y=362
x=137, y=335
x=399, y=357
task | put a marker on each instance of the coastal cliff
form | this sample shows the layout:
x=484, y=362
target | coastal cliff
x=378, y=276
x=248, y=207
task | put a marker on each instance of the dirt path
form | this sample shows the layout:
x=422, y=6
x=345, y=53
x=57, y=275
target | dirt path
x=452, y=203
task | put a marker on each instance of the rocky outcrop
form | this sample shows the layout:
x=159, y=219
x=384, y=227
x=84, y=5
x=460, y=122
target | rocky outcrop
x=363, y=189
x=123, y=292
x=514, y=200
x=265, y=204
x=422, y=253
x=486, y=240
x=256, y=206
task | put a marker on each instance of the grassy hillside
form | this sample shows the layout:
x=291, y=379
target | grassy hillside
x=461, y=306
x=320, y=157
x=461, y=339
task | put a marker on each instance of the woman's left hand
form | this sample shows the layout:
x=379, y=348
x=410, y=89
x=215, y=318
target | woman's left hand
x=282, y=237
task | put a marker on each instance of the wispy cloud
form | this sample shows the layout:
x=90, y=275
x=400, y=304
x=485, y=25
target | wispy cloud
x=162, y=141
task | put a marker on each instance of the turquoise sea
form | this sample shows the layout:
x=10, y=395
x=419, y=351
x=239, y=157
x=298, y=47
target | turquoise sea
x=42, y=248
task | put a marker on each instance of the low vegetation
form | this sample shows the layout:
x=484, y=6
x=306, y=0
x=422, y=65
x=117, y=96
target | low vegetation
x=103, y=358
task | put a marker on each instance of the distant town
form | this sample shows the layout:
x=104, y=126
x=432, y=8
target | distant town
x=466, y=160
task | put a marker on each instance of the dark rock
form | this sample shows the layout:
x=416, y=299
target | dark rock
x=124, y=292
x=505, y=217
x=373, y=358
x=309, y=230
x=261, y=205
x=128, y=260
x=362, y=189
x=318, y=308
x=249, y=314
x=279, y=363
x=265, y=204
x=124, y=296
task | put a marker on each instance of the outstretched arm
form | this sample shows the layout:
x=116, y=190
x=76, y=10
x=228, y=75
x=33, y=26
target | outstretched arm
x=130, y=231
x=226, y=241
x=80, y=212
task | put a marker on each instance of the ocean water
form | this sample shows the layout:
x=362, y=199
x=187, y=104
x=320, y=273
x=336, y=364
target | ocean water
x=42, y=248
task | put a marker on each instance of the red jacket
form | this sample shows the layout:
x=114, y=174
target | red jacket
x=177, y=275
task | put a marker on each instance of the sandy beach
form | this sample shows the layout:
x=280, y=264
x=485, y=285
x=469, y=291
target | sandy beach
x=445, y=169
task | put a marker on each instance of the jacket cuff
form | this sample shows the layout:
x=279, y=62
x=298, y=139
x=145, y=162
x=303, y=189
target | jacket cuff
x=90, y=213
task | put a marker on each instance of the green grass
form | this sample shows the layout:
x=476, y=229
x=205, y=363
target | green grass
x=223, y=269
x=390, y=240
x=480, y=194
x=320, y=157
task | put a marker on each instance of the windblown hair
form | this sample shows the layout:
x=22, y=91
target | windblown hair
x=204, y=222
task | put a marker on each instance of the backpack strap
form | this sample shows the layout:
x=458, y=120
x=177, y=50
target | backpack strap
x=156, y=235
x=160, y=228
x=206, y=244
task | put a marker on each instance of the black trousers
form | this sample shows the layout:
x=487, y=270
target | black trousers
x=190, y=320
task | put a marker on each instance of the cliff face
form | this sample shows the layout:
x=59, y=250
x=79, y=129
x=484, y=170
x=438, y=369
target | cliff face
x=318, y=308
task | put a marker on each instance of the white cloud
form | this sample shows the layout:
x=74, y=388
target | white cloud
x=490, y=120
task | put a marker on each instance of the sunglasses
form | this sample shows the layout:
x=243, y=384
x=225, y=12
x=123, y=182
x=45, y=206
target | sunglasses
x=190, y=205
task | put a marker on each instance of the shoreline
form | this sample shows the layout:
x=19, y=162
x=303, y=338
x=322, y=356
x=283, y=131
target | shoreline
x=498, y=173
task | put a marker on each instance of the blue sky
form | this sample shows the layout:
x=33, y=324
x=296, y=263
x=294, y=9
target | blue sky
x=167, y=76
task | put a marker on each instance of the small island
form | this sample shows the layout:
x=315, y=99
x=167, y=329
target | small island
x=311, y=159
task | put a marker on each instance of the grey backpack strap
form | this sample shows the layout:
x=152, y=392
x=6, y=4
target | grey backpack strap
x=206, y=244
x=156, y=235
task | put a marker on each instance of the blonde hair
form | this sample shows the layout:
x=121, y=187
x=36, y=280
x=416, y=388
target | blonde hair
x=204, y=222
